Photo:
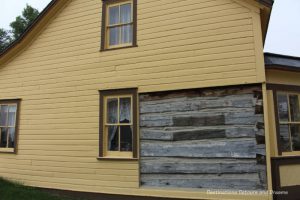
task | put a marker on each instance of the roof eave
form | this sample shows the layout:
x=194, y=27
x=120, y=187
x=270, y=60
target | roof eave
x=268, y=3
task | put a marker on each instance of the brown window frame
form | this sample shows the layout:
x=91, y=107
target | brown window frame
x=104, y=42
x=278, y=89
x=104, y=94
x=18, y=103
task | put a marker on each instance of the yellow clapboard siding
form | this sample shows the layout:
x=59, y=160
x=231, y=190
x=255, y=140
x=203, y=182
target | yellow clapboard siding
x=82, y=136
x=181, y=44
x=175, y=55
x=58, y=71
x=73, y=167
x=190, y=37
x=72, y=131
x=77, y=35
x=84, y=50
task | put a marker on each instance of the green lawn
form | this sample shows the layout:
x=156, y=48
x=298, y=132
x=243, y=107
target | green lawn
x=14, y=191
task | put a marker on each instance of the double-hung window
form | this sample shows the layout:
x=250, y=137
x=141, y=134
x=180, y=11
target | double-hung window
x=118, y=24
x=289, y=121
x=8, y=124
x=118, y=123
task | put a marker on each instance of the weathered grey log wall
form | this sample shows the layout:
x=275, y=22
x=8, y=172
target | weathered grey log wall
x=209, y=138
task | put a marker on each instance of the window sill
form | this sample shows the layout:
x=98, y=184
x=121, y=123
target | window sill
x=7, y=150
x=116, y=48
x=293, y=153
x=117, y=158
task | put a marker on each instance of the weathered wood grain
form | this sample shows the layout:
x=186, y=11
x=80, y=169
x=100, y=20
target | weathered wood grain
x=242, y=181
x=235, y=148
x=171, y=165
x=199, y=120
x=197, y=133
x=198, y=103
x=203, y=139
x=219, y=117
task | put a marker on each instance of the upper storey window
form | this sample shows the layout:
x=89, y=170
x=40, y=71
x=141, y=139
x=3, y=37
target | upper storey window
x=118, y=24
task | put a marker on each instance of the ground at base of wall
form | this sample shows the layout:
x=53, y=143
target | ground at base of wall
x=15, y=191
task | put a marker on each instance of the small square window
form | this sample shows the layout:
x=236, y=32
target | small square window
x=118, y=24
x=118, y=123
x=8, y=125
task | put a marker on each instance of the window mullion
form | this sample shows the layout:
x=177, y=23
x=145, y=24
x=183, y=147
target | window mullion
x=131, y=13
x=289, y=124
x=0, y=126
x=107, y=28
x=120, y=25
x=120, y=138
x=7, y=129
x=119, y=127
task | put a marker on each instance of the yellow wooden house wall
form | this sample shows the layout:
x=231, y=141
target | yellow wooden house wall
x=181, y=44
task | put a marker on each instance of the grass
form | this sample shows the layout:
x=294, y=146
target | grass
x=14, y=191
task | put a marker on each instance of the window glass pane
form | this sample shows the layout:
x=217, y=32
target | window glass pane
x=294, y=108
x=285, y=138
x=12, y=115
x=126, y=138
x=283, y=107
x=125, y=11
x=114, y=15
x=114, y=36
x=295, y=133
x=3, y=139
x=113, y=138
x=3, y=115
x=11, y=138
x=125, y=110
x=112, y=111
x=126, y=34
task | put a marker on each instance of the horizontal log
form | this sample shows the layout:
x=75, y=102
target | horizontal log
x=208, y=93
x=233, y=182
x=197, y=133
x=184, y=104
x=199, y=120
x=162, y=165
x=228, y=148
x=243, y=117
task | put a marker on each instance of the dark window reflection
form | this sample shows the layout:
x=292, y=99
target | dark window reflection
x=11, y=138
x=3, y=139
x=126, y=138
x=295, y=133
x=285, y=138
x=113, y=138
